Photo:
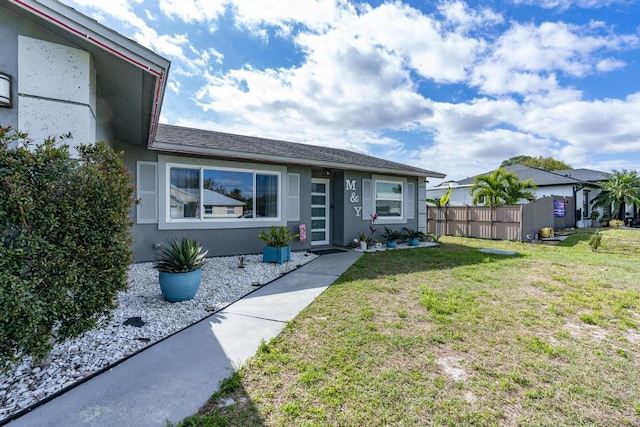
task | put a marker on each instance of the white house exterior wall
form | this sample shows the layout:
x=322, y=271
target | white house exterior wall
x=57, y=91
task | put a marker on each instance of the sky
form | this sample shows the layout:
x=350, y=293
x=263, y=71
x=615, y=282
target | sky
x=449, y=86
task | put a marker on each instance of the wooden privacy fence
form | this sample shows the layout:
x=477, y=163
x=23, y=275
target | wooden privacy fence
x=482, y=222
x=519, y=222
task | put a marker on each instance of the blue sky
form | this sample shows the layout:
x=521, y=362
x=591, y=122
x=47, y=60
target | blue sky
x=451, y=86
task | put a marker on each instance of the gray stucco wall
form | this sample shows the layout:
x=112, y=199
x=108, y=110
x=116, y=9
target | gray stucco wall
x=352, y=224
x=220, y=242
x=12, y=25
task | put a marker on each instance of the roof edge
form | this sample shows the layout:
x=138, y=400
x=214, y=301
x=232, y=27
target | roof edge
x=213, y=152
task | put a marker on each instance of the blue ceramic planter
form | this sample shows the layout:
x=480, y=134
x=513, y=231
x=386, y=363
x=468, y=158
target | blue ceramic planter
x=273, y=254
x=414, y=241
x=180, y=286
x=391, y=244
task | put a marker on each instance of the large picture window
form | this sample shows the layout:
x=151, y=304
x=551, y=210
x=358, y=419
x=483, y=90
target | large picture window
x=222, y=194
x=388, y=199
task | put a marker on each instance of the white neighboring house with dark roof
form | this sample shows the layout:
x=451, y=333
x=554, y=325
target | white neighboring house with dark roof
x=581, y=184
x=68, y=73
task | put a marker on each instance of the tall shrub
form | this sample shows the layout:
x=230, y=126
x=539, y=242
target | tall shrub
x=64, y=241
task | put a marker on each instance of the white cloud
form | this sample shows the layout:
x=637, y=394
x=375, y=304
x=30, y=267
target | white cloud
x=526, y=58
x=566, y=4
x=609, y=64
x=458, y=13
x=191, y=11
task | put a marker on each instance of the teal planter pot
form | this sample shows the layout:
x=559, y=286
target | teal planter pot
x=414, y=241
x=273, y=254
x=392, y=244
x=178, y=287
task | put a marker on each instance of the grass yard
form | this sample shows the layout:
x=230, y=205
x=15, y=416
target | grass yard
x=453, y=336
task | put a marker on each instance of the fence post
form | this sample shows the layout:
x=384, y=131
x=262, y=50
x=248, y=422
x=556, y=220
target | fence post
x=467, y=226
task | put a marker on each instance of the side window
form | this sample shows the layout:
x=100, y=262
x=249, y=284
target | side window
x=388, y=199
x=147, y=209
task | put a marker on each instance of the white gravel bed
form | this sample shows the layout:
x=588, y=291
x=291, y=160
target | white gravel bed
x=222, y=283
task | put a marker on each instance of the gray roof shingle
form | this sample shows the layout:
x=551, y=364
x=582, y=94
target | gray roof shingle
x=220, y=144
x=544, y=178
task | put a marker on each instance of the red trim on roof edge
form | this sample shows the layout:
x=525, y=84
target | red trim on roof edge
x=158, y=74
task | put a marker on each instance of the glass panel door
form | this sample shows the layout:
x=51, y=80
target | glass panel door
x=319, y=211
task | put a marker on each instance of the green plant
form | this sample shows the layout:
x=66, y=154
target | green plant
x=391, y=235
x=180, y=256
x=411, y=233
x=595, y=241
x=64, y=241
x=362, y=237
x=277, y=237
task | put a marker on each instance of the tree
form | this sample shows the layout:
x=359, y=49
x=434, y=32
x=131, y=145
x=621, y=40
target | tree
x=65, y=244
x=517, y=190
x=546, y=163
x=620, y=188
x=501, y=187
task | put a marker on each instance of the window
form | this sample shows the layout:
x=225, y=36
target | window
x=388, y=199
x=200, y=193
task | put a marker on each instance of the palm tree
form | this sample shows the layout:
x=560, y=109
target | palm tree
x=501, y=187
x=620, y=188
x=518, y=190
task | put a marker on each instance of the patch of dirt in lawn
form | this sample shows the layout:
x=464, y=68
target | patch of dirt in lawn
x=581, y=331
x=452, y=367
x=632, y=336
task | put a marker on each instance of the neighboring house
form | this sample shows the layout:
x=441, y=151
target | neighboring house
x=580, y=184
x=185, y=203
x=70, y=74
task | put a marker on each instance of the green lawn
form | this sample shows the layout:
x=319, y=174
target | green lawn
x=453, y=336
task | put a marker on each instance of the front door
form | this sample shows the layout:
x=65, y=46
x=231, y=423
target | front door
x=319, y=211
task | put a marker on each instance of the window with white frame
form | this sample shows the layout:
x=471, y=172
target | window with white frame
x=212, y=194
x=388, y=199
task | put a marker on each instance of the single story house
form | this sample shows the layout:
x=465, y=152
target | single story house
x=581, y=184
x=65, y=72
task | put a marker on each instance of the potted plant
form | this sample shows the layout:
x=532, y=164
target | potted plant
x=276, y=241
x=362, y=239
x=179, y=264
x=391, y=237
x=414, y=236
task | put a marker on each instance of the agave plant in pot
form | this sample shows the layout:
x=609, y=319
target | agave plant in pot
x=414, y=236
x=179, y=263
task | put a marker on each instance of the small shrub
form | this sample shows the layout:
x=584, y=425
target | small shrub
x=64, y=242
x=595, y=241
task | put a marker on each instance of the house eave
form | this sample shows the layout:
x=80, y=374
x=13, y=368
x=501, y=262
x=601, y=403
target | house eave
x=98, y=38
x=239, y=155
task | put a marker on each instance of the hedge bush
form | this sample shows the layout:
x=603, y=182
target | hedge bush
x=64, y=241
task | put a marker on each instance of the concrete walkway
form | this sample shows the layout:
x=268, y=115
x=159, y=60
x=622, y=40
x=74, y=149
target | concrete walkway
x=174, y=378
